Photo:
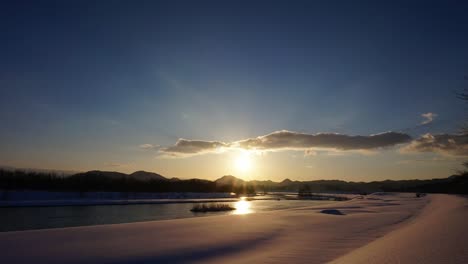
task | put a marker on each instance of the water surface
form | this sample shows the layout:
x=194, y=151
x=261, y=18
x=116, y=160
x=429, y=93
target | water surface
x=25, y=218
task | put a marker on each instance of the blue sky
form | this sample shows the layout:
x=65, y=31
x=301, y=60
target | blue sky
x=84, y=84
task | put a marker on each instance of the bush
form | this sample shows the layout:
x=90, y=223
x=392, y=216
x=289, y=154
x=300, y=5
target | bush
x=212, y=207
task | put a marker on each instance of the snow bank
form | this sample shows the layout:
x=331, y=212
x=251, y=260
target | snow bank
x=301, y=235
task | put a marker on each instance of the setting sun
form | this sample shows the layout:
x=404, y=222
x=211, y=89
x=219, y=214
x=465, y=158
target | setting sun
x=243, y=162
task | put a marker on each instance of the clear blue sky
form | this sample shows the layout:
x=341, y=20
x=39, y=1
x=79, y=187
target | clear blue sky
x=85, y=83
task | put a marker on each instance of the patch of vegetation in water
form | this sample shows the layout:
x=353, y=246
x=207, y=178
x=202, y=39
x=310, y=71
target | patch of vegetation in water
x=215, y=207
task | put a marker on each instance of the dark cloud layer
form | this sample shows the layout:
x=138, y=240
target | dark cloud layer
x=187, y=147
x=292, y=140
x=282, y=140
x=447, y=144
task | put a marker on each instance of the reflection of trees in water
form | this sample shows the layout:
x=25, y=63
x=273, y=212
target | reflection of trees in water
x=305, y=191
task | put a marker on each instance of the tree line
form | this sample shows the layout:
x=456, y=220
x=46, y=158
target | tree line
x=99, y=181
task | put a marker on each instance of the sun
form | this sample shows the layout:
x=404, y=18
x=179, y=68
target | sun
x=243, y=162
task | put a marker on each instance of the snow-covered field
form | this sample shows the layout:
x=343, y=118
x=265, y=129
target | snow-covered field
x=385, y=228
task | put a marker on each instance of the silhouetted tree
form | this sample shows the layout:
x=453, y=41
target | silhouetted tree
x=304, y=191
x=464, y=96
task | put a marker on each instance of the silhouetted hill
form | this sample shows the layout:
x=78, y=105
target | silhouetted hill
x=452, y=184
x=142, y=181
x=286, y=182
x=230, y=183
x=268, y=182
x=138, y=175
x=144, y=175
x=97, y=173
x=229, y=180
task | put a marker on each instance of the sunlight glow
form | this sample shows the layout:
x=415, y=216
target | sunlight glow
x=242, y=207
x=244, y=162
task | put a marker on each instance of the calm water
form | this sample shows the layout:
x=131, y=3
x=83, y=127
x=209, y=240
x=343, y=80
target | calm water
x=24, y=218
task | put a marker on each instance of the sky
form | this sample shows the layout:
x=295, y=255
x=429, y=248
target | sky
x=306, y=90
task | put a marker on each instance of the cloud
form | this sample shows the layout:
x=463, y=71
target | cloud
x=446, y=144
x=310, y=152
x=185, y=147
x=148, y=146
x=428, y=118
x=288, y=140
x=427, y=160
x=116, y=164
x=300, y=141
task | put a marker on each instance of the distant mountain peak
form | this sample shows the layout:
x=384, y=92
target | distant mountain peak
x=229, y=180
x=140, y=175
x=145, y=175
x=98, y=173
x=228, y=177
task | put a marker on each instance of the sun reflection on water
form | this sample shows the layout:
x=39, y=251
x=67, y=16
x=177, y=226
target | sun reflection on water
x=242, y=207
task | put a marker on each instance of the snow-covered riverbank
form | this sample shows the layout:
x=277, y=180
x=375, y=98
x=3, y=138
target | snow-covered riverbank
x=430, y=228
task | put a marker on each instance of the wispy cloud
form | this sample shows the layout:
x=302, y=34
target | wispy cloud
x=427, y=160
x=428, y=118
x=148, y=146
x=289, y=140
x=116, y=164
x=445, y=144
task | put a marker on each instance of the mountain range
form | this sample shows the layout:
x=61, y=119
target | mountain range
x=153, y=182
x=456, y=183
